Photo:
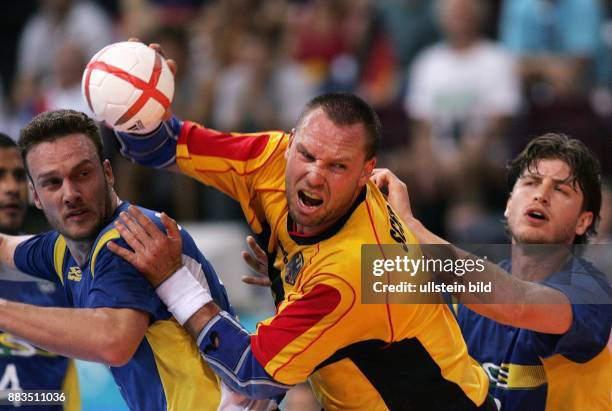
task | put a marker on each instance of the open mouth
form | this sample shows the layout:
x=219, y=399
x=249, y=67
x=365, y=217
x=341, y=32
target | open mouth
x=536, y=214
x=309, y=199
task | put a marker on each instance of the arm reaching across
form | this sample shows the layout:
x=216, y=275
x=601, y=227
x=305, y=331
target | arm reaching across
x=554, y=318
x=158, y=257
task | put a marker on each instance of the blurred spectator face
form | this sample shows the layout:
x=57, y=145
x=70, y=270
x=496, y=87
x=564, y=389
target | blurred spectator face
x=605, y=224
x=460, y=19
x=13, y=190
x=56, y=7
x=69, y=65
x=175, y=43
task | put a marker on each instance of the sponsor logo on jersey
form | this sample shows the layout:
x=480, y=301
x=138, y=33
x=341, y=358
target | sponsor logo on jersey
x=75, y=274
x=498, y=375
x=293, y=268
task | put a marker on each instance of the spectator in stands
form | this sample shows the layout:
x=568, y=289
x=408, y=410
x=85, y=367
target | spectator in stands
x=556, y=42
x=56, y=23
x=461, y=93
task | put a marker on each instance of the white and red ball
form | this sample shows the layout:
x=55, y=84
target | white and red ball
x=129, y=86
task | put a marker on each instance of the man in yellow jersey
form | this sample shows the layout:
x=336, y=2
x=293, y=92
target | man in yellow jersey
x=551, y=357
x=23, y=366
x=307, y=194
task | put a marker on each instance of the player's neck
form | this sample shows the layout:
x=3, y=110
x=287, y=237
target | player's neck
x=536, y=262
x=312, y=231
x=80, y=249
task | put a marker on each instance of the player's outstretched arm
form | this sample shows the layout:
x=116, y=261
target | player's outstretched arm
x=105, y=335
x=555, y=317
x=8, y=244
x=224, y=343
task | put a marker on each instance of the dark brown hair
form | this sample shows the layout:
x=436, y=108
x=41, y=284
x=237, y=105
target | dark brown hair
x=7, y=142
x=51, y=125
x=346, y=109
x=584, y=166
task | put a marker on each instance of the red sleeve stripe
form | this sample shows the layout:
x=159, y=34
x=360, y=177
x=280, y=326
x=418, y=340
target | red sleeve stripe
x=206, y=142
x=293, y=321
x=324, y=330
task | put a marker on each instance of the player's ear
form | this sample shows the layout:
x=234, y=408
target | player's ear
x=291, y=138
x=35, y=197
x=584, y=222
x=367, y=171
x=108, y=173
x=508, y=204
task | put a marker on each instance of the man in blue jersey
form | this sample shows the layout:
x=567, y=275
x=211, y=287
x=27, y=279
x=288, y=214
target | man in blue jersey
x=541, y=356
x=22, y=365
x=117, y=317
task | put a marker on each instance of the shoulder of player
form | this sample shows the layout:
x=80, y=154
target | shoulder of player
x=583, y=283
x=377, y=222
x=110, y=233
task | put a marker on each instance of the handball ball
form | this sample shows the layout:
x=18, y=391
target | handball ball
x=129, y=86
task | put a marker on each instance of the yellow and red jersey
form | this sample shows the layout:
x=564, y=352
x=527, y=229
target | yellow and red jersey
x=357, y=356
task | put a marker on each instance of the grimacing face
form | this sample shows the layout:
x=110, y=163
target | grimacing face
x=545, y=207
x=326, y=171
x=71, y=186
x=13, y=190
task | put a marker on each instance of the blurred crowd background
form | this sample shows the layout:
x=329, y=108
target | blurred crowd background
x=460, y=86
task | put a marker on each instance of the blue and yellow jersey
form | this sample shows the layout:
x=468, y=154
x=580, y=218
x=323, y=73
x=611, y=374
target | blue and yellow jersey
x=535, y=371
x=167, y=371
x=26, y=367
x=358, y=356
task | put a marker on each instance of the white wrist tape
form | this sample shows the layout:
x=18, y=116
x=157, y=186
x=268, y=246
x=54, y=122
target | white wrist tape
x=183, y=295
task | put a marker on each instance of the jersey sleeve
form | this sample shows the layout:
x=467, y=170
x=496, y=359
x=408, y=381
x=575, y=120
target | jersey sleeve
x=301, y=336
x=287, y=348
x=590, y=296
x=229, y=162
x=41, y=256
x=117, y=284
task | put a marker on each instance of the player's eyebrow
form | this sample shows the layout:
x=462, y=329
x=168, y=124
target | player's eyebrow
x=51, y=173
x=569, y=181
x=302, y=149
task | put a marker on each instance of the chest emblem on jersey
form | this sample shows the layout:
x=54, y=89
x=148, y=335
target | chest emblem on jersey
x=293, y=268
x=75, y=274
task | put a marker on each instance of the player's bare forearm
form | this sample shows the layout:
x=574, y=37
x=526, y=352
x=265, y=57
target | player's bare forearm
x=109, y=336
x=528, y=312
x=198, y=321
x=553, y=318
x=8, y=244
